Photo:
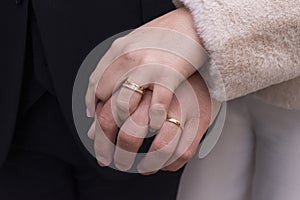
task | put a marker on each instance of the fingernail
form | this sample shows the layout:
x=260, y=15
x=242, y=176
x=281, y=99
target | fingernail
x=140, y=169
x=149, y=173
x=103, y=162
x=122, y=167
x=89, y=113
x=91, y=131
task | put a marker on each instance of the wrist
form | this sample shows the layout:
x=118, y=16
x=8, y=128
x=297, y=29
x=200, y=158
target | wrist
x=180, y=20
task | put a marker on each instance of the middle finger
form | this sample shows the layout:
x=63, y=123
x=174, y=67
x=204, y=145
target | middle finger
x=132, y=134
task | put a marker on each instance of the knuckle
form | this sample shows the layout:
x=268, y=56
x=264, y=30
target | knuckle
x=123, y=105
x=141, y=120
x=100, y=93
x=105, y=122
x=117, y=43
x=128, y=54
x=186, y=156
x=126, y=141
x=92, y=80
x=162, y=147
x=125, y=138
x=173, y=169
x=147, y=58
x=131, y=52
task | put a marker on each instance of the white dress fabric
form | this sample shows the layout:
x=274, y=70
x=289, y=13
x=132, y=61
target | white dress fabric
x=257, y=156
x=253, y=46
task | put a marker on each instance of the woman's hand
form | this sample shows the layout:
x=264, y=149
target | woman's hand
x=157, y=58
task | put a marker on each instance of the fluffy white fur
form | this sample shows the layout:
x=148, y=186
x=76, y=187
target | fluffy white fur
x=254, y=46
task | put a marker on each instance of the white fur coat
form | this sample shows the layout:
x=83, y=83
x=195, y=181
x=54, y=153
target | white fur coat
x=254, y=46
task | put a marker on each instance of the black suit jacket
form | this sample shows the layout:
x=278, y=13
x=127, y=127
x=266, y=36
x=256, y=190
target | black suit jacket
x=69, y=31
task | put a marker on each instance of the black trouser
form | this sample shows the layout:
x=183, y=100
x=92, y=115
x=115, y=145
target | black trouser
x=45, y=163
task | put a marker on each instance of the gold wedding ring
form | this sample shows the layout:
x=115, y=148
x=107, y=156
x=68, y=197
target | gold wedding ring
x=174, y=121
x=133, y=86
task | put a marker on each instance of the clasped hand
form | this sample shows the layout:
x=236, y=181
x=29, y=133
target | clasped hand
x=148, y=82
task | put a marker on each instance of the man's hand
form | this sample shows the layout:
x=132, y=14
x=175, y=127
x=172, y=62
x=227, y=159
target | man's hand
x=172, y=147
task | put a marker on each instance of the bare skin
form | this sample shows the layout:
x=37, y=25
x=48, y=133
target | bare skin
x=173, y=146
